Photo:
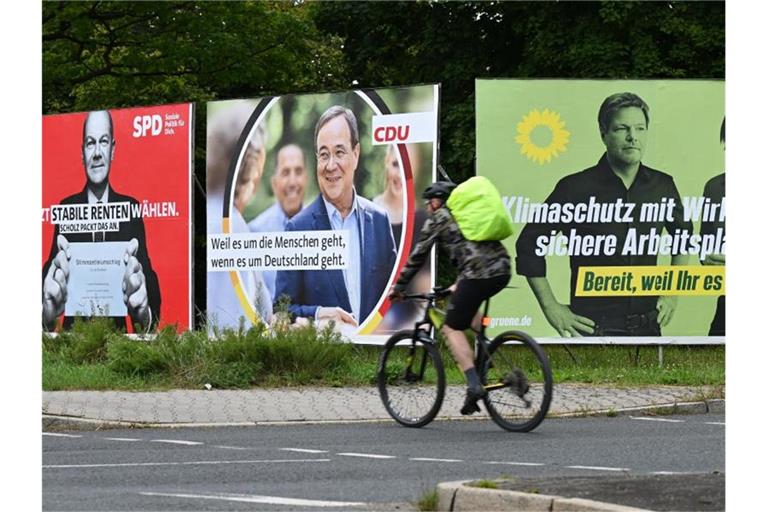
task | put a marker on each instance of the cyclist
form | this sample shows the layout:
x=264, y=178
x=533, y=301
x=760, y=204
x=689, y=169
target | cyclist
x=484, y=270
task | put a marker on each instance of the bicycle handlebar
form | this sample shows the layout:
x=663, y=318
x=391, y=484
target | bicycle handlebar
x=435, y=294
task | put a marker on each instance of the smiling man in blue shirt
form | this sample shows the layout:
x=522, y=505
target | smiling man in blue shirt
x=349, y=295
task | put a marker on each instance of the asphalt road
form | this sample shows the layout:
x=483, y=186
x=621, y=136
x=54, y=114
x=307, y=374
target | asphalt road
x=373, y=465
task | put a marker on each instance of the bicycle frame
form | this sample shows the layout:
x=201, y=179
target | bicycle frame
x=481, y=341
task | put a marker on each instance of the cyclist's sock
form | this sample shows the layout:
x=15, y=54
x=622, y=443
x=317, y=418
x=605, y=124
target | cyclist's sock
x=473, y=379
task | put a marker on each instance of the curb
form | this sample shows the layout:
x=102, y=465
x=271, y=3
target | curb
x=457, y=496
x=55, y=423
x=716, y=406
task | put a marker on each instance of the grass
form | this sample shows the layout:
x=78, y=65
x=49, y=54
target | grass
x=428, y=501
x=484, y=484
x=94, y=356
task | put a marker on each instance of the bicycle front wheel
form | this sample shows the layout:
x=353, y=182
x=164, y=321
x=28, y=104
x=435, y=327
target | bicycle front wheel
x=411, y=379
x=519, y=382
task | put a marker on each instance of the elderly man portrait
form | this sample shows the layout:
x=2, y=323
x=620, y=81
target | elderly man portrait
x=348, y=295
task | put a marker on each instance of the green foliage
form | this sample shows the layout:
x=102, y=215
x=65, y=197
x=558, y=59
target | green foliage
x=396, y=43
x=93, y=356
x=89, y=338
x=135, y=358
x=485, y=484
x=236, y=359
x=428, y=501
x=113, y=54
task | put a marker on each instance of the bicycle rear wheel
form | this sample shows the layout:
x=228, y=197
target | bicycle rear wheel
x=411, y=379
x=519, y=382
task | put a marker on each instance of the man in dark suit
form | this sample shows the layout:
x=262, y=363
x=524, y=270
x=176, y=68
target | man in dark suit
x=348, y=295
x=619, y=175
x=140, y=288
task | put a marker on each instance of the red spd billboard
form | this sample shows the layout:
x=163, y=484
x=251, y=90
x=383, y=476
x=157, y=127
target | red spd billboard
x=116, y=219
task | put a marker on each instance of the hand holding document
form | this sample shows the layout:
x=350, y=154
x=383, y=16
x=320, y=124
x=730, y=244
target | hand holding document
x=96, y=279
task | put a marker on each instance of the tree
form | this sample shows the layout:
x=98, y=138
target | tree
x=456, y=42
x=113, y=54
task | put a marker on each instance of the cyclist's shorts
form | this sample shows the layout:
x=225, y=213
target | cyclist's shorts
x=469, y=295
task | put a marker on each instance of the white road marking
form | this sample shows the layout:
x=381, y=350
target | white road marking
x=427, y=459
x=231, y=447
x=126, y=439
x=52, y=434
x=270, y=500
x=656, y=419
x=671, y=473
x=598, y=468
x=367, y=455
x=190, y=463
x=303, y=450
x=517, y=463
x=176, y=441
x=714, y=423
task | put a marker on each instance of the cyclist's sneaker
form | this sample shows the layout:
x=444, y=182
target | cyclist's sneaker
x=470, y=402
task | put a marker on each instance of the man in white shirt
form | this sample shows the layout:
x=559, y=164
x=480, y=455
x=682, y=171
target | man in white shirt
x=140, y=287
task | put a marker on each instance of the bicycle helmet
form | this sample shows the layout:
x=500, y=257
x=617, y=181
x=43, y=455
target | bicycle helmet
x=438, y=190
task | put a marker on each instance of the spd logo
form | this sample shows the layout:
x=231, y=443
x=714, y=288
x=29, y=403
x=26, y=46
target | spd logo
x=147, y=125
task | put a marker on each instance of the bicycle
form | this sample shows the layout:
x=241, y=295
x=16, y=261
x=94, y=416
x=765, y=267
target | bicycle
x=512, y=367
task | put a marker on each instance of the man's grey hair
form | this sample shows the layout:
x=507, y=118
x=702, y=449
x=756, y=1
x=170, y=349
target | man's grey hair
x=336, y=111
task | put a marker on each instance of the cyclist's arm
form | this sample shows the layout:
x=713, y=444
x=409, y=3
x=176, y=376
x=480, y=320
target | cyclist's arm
x=427, y=238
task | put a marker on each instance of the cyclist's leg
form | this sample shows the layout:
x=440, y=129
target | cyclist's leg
x=460, y=349
x=477, y=321
x=462, y=354
x=465, y=303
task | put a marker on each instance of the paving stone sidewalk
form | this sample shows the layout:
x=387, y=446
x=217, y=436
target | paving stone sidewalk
x=315, y=404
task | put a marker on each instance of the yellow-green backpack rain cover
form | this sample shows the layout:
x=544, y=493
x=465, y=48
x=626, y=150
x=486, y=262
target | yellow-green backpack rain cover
x=479, y=211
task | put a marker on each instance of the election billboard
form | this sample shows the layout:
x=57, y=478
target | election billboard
x=616, y=189
x=312, y=207
x=116, y=218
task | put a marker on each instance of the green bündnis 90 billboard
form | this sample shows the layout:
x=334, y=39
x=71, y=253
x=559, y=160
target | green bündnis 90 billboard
x=616, y=190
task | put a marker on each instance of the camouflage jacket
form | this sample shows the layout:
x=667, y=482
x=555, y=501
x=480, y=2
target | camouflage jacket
x=475, y=260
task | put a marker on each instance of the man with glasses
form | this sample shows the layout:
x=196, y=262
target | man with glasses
x=346, y=296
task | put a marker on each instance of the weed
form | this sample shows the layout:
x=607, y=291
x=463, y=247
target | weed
x=484, y=484
x=428, y=501
x=89, y=339
x=130, y=357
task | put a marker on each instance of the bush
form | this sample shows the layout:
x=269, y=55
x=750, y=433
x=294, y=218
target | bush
x=235, y=359
x=134, y=357
x=87, y=341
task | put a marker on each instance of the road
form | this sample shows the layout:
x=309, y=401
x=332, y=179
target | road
x=351, y=466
